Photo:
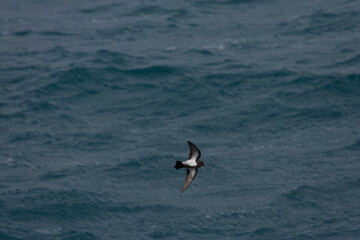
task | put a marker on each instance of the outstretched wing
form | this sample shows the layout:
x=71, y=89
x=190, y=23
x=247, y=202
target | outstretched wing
x=194, y=151
x=190, y=175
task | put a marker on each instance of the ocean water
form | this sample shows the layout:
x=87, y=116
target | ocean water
x=98, y=99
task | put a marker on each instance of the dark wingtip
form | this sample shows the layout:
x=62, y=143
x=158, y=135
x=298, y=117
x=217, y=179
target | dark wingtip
x=190, y=143
x=193, y=148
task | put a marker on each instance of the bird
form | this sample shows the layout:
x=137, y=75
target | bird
x=192, y=165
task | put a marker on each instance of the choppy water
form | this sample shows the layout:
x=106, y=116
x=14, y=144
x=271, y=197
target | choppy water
x=98, y=99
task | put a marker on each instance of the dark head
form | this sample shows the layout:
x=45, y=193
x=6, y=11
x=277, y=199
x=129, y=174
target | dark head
x=200, y=163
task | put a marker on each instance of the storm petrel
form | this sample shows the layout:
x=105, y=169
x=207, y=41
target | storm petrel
x=192, y=165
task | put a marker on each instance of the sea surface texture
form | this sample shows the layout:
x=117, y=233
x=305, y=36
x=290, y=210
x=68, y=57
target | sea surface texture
x=99, y=98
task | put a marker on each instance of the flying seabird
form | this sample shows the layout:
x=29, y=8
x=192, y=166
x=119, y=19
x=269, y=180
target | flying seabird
x=192, y=165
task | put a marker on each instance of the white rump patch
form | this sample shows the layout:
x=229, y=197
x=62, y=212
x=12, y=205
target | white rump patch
x=191, y=162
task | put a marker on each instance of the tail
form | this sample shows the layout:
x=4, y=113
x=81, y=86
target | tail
x=178, y=165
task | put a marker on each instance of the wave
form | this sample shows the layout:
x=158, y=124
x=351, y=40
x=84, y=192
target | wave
x=8, y=236
x=118, y=59
x=353, y=61
x=25, y=33
x=55, y=33
x=100, y=8
x=78, y=235
x=148, y=9
x=322, y=22
x=225, y=2
x=354, y=147
x=80, y=82
x=305, y=194
x=72, y=204
x=154, y=71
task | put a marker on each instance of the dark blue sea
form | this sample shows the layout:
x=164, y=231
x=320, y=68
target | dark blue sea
x=99, y=98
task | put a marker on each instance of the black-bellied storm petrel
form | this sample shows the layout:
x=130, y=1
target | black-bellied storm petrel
x=192, y=165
